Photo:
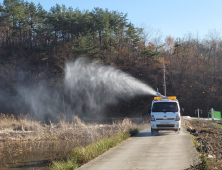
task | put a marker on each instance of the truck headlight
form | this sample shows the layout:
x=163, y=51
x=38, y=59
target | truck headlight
x=177, y=117
x=152, y=118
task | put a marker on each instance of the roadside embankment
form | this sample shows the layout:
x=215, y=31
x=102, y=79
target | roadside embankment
x=207, y=138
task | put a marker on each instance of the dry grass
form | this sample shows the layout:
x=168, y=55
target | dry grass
x=23, y=128
x=21, y=136
x=19, y=123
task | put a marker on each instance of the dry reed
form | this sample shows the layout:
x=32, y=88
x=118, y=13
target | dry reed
x=24, y=128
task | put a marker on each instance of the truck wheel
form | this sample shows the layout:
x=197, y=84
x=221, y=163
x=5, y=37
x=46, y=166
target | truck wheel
x=152, y=131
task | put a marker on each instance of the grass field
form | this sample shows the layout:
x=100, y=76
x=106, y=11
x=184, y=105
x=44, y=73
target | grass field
x=87, y=139
x=24, y=128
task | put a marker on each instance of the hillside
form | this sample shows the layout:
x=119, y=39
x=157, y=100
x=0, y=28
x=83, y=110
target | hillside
x=35, y=44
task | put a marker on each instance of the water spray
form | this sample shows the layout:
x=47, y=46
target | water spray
x=93, y=85
x=87, y=89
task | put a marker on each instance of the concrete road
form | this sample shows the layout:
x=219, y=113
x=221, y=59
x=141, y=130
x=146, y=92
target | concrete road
x=166, y=150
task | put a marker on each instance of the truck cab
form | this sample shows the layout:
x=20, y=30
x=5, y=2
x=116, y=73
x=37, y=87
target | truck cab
x=165, y=114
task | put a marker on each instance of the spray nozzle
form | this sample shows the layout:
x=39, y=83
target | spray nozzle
x=160, y=95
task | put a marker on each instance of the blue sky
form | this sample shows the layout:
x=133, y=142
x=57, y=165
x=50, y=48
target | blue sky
x=172, y=17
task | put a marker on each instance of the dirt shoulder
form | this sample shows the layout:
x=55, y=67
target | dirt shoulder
x=208, y=135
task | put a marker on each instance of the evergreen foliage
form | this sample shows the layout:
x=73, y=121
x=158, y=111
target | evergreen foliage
x=37, y=43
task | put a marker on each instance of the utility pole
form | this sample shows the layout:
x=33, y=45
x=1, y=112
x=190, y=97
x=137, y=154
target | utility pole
x=164, y=81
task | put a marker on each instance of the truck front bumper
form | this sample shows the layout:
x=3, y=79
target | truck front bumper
x=171, y=125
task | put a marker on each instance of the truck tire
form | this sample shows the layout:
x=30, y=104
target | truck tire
x=153, y=132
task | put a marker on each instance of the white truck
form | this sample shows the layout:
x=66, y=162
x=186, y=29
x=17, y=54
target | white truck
x=165, y=114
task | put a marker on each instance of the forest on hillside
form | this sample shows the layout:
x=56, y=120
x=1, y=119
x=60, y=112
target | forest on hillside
x=35, y=44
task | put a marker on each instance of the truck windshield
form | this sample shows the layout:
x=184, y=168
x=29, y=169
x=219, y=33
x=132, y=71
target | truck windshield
x=165, y=107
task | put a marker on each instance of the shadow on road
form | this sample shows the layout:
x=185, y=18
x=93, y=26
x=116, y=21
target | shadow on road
x=147, y=133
